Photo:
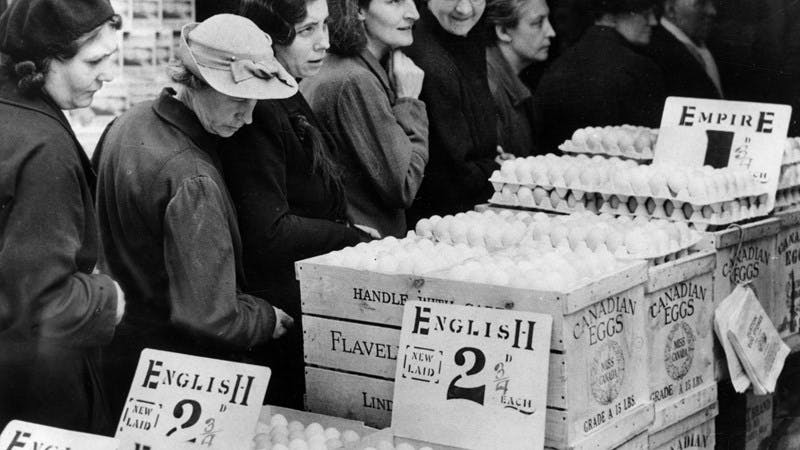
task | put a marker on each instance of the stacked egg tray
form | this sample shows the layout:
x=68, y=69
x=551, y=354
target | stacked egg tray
x=788, y=195
x=626, y=142
x=700, y=214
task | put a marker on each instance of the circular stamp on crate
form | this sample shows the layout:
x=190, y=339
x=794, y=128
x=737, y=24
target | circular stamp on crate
x=607, y=372
x=679, y=350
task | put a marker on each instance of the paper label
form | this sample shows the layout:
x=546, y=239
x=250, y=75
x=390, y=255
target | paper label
x=472, y=377
x=182, y=401
x=30, y=436
x=719, y=133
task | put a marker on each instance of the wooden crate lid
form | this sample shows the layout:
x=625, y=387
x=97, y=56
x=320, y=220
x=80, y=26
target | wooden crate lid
x=748, y=232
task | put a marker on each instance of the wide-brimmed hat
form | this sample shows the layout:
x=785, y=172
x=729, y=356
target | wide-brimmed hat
x=234, y=57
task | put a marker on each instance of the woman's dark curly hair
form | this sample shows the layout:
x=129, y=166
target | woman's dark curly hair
x=275, y=17
x=278, y=18
x=30, y=75
x=505, y=13
x=347, y=33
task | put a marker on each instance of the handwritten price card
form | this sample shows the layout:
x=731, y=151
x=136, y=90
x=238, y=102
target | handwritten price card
x=719, y=133
x=471, y=377
x=30, y=436
x=182, y=401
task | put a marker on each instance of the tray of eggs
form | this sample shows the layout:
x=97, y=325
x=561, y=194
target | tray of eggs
x=788, y=195
x=703, y=196
x=626, y=141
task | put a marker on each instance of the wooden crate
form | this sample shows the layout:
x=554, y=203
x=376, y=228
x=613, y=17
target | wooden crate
x=756, y=264
x=680, y=314
x=686, y=435
x=745, y=420
x=592, y=325
x=786, y=309
x=369, y=399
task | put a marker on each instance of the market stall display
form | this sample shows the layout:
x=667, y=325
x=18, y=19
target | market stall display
x=626, y=141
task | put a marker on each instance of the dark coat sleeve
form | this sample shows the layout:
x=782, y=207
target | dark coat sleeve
x=199, y=257
x=272, y=234
x=47, y=288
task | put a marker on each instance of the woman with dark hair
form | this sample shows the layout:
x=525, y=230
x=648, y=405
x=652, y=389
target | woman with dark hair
x=375, y=116
x=56, y=312
x=287, y=189
x=522, y=34
x=450, y=46
x=604, y=79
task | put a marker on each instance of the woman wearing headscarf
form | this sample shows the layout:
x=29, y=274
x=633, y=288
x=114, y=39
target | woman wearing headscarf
x=55, y=311
x=522, y=34
x=605, y=78
x=285, y=185
x=450, y=47
x=379, y=123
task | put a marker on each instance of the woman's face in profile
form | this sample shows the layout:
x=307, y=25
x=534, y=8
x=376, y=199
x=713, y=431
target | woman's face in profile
x=303, y=58
x=636, y=27
x=457, y=16
x=72, y=83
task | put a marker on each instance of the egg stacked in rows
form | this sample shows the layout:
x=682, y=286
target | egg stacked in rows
x=626, y=141
x=410, y=255
x=788, y=194
x=275, y=432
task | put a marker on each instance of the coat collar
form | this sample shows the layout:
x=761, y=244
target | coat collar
x=174, y=112
x=507, y=79
x=374, y=66
x=41, y=103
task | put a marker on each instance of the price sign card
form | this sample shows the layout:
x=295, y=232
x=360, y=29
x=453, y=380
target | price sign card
x=473, y=378
x=19, y=435
x=182, y=401
x=719, y=133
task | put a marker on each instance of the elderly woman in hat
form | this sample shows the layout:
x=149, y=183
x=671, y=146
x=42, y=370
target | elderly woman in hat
x=55, y=310
x=167, y=222
x=367, y=97
x=285, y=184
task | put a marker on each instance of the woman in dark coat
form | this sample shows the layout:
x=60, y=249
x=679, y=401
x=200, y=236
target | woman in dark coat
x=450, y=47
x=286, y=189
x=604, y=79
x=375, y=116
x=55, y=312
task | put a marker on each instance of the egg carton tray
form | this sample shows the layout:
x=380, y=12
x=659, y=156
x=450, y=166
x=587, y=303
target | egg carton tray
x=701, y=216
x=645, y=156
x=787, y=198
x=683, y=196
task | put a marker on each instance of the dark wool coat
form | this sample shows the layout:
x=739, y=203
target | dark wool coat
x=170, y=237
x=462, y=119
x=683, y=74
x=55, y=313
x=286, y=213
x=382, y=140
x=602, y=80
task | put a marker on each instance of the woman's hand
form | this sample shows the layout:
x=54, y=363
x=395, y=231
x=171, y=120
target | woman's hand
x=503, y=156
x=404, y=75
x=283, y=322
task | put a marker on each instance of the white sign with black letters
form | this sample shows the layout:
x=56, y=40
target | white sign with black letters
x=471, y=377
x=720, y=133
x=182, y=401
x=19, y=435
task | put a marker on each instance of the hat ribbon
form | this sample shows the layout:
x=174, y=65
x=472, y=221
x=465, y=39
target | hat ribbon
x=242, y=66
